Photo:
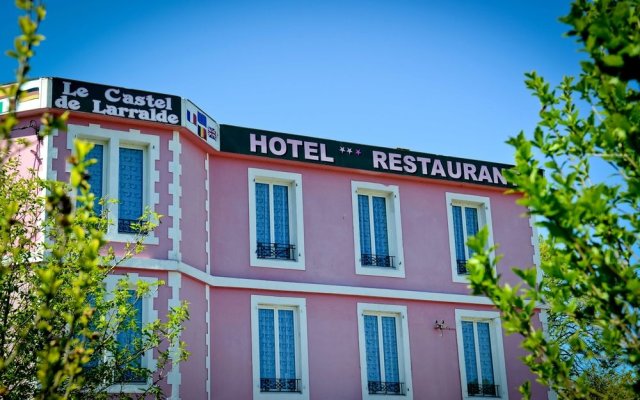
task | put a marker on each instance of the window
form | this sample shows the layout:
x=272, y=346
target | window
x=377, y=228
x=131, y=330
x=384, y=350
x=480, y=354
x=275, y=218
x=123, y=171
x=466, y=215
x=279, y=347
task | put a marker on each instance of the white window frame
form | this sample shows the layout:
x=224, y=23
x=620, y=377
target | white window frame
x=113, y=140
x=297, y=304
x=394, y=227
x=497, y=349
x=404, y=353
x=483, y=205
x=149, y=314
x=296, y=220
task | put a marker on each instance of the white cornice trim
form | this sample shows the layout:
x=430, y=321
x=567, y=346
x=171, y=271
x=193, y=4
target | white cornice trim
x=260, y=284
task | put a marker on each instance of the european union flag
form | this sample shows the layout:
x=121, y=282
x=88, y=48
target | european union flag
x=202, y=119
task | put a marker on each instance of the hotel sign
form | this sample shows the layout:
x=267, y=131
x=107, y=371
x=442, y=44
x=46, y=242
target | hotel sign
x=357, y=156
x=116, y=101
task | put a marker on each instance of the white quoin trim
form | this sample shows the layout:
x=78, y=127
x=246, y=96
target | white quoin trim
x=207, y=224
x=174, y=378
x=175, y=190
x=52, y=152
x=207, y=339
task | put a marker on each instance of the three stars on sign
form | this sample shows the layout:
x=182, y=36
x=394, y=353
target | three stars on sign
x=349, y=151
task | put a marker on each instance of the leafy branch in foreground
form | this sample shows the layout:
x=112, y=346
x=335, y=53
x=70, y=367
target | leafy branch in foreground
x=59, y=326
x=592, y=276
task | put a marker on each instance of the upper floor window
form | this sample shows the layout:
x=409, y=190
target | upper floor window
x=480, y=354
x=278, y=326
x=275, y=218
x=378, y=232
x=124, y=170
x=466, y=214
x=384, y=350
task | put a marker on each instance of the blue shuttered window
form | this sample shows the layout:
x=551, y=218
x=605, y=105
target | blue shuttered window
x=381, y=346
x=129, y=334
x=96, y=175
x=130, y=188
x=374, y=231
x=277, y=349
x=273, y=225
x=465, y=225
x=478, y=358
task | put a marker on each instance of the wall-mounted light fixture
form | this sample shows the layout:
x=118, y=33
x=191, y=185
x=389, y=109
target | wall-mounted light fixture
x=441, y=326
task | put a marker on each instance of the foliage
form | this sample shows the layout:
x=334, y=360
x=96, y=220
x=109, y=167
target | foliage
x=599, y=369
x=58, y=324
x=593, y=120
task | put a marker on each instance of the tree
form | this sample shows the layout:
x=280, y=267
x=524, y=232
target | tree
x=603, y=372
x=59, y=325
x=593, y=119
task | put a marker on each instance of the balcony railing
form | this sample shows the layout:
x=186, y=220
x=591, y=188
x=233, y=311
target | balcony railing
x=276, y=251
x=373, y=260
x=132, y=226
x=280, y=385
x=477, y=390
x=462, y=267
x=378, y=387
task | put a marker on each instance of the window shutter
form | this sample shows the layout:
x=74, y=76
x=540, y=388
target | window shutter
x=130, y=188
x=484, y=349
x=390, y=346
x=267, y=344
x=458, y=233
x=471, y=216
x=363, y=221
x=372, y=348
x=380, y=225
x=468, y=343
x=96, y=172
x=263, y=230
x=281, y=214
x=287, y=345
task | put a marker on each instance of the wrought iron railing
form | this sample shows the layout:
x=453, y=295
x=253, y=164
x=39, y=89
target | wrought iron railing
x=378, y=387
x=377, y=261
x=462, y=267
x=280, y=385
x=478, y=390
x=276, y=251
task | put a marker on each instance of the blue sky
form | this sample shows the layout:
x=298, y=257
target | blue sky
x=431, y=76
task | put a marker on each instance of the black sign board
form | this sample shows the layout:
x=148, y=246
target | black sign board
x=116, y=101
x=234, y=139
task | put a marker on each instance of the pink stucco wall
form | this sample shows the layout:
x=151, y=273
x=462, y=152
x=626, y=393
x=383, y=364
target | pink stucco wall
x=329, y=235
x=193, y=221
x=334, y=360
x=194, y=370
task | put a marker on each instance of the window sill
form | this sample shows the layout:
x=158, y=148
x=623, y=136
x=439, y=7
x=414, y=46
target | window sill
x=130, y=237
x=278, y=263
x=380, y=271
x=128, y=388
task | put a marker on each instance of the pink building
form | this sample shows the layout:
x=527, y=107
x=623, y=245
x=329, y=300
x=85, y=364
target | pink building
x=314, y=269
